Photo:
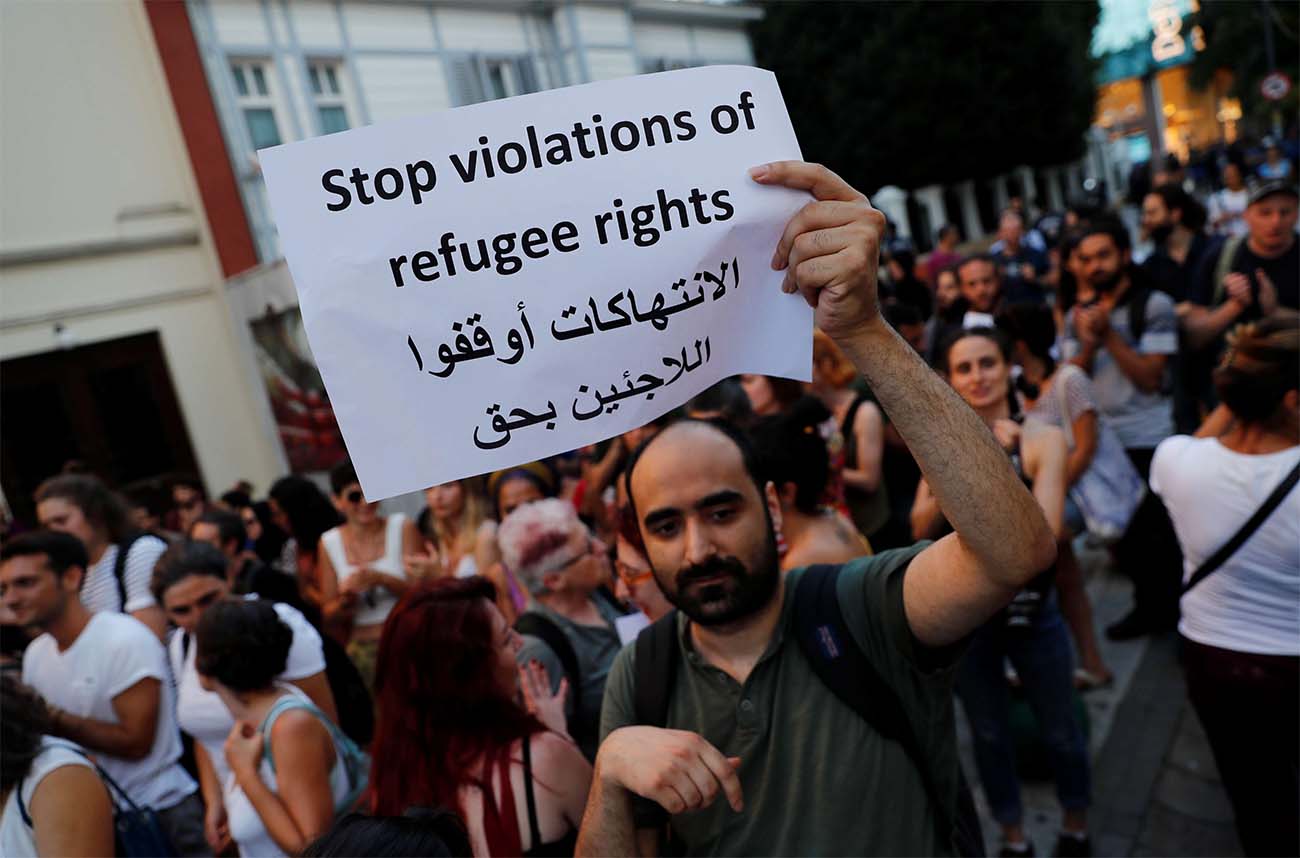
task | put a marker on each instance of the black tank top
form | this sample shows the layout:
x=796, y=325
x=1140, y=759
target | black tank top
x=562, y=847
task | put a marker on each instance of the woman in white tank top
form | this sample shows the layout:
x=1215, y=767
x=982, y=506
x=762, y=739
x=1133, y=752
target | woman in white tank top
x=365, y=565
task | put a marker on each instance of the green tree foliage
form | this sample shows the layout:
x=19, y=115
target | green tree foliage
x=918, y=92
x=1234, y=40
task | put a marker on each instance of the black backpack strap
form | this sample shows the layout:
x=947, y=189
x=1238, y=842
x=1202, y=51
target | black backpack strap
x=1137, y=313
x=656, y=669
x=844, y=668
x=119, y=567
x=542, y=627
x=1247, y=530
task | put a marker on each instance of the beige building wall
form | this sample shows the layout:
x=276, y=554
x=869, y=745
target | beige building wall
x=102, y=232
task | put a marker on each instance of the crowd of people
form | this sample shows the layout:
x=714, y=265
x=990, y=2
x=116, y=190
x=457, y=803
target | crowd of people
x=741, y=629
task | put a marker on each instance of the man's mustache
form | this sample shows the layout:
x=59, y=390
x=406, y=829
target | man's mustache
x=710, y=568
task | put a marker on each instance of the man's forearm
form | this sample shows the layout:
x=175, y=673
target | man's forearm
x=607, y=824
x=1145, y=371
x=970, y=475
x=1203, y=326
x=113, y=739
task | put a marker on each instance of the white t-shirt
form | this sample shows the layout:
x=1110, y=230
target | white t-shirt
x=100, y=592
x=1252, y=602
x=112, y=653
x=1231, y=205
x=373, y=605
x=17, y=840
x=201, y=713
x=246, y=826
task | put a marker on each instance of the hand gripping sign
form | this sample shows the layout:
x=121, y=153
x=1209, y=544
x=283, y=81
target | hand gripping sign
x=489, y=285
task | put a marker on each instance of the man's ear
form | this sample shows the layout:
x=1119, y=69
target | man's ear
x=72, y=578
x=773, y=505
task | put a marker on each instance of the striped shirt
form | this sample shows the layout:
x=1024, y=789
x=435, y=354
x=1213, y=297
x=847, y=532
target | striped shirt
x=100, y=592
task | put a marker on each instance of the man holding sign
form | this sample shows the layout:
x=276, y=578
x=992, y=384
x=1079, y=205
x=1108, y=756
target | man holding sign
x=762, y=742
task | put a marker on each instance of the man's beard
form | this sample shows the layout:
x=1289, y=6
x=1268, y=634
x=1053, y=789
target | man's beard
x=738, y=593
x=1108, y=283
x=1160, y=234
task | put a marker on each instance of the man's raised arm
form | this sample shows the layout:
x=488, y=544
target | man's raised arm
x=830, y=253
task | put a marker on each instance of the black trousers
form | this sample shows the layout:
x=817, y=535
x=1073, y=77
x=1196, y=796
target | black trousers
x=1250, y=707
x=1149, y=554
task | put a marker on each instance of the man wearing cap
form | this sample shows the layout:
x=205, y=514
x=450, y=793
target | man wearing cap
x=1251, y=276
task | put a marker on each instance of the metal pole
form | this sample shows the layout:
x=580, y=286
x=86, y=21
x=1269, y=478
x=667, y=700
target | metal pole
x=1271, y=58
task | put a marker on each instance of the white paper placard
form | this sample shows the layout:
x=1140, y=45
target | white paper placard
x=493, y=284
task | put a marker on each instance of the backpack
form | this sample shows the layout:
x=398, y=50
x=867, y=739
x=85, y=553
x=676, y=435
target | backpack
x=356, y=764
x=137, y=831
x=843, y=667
x=1223, y=265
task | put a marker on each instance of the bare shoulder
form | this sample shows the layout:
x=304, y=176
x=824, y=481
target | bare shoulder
x=551, y=750
x=1040, y=435
x=1041, y=441
x=297, y=730
x=868, y=413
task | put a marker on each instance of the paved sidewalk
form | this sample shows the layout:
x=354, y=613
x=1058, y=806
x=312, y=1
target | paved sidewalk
x=1155, y=787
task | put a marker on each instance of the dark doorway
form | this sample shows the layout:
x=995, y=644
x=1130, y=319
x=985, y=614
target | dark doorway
x=110, y=405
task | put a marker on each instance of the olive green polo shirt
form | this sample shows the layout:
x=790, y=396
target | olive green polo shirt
x=817, y=778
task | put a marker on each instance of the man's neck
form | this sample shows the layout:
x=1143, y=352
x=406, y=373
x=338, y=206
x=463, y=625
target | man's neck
x=736, y=648
x=1113, y=297
x=1270, y=253
x=574, y=605
x=70, y=624
x=1179, y=243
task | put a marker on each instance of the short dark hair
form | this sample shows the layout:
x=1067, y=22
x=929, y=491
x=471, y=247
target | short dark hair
x=189, y=481
x=236, y=499
x=229, y=525
x=182, y=560
x=342, y=475
x=972, y=259
x=1106, y=225
x=1174, y=197
x=948, y=229
x=727, y=398
x=243, y=644
x=62, y=551
x=102, y=507
x=418, y=832
x=790, y=449
x=747, y=454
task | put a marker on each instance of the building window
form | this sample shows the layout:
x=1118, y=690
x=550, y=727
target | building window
x=256, y=102
x=327, y=90
x=480, y=78
x=658, y=64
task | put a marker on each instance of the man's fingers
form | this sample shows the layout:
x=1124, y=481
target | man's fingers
x=724, y=769
x=800, y=175
x=823, y=242
x=815, y=216
x=685, y=786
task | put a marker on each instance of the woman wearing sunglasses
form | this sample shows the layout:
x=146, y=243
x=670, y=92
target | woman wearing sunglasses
x=364, y=566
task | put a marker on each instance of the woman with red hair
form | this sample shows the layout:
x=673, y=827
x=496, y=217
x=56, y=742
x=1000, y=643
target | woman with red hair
x=452, y=730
